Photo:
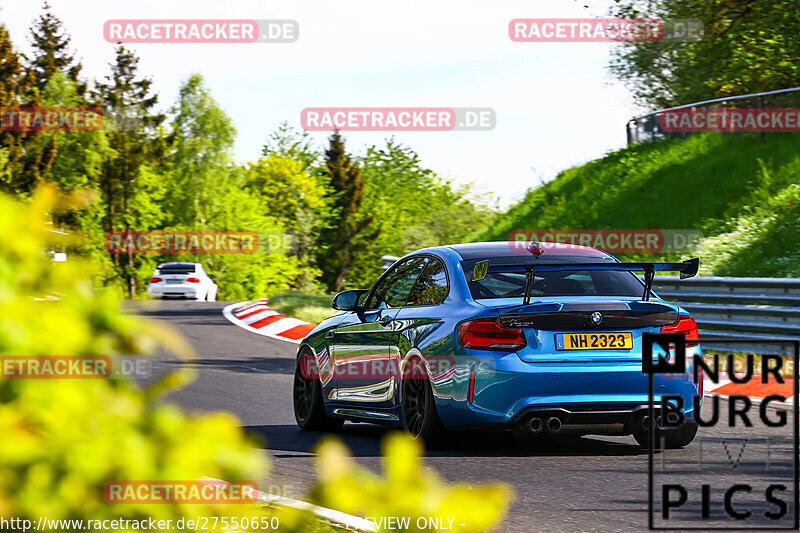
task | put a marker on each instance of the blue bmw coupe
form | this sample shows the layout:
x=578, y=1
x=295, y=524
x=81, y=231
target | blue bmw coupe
x=542, y=340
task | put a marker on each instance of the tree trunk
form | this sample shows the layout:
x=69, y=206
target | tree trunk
x=344, y=270
x=130, y=269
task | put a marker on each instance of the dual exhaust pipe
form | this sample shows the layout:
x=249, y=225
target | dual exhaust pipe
x=661, y=422
x=537, y=425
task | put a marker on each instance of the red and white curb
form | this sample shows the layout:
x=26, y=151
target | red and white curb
x=338, y=518
x=258, y=318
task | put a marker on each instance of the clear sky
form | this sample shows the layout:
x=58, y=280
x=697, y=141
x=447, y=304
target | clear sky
x=557, y=105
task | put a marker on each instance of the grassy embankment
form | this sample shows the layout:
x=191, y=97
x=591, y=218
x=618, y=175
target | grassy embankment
x=309, y=307
x=741, y=191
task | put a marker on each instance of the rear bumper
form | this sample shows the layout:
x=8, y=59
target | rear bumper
x=506, y=390
x=174, y=291
x=595, y=420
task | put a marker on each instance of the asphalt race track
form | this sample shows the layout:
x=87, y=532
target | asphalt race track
x=587, y=484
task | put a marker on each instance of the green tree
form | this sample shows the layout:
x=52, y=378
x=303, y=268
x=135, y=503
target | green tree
x=51, y=50
x=349, y=227
x=199, y=155
x=25, y=158
x=298, y=201
x=63, y=439
x=77, y=169
x=205, y=190
x=414, y=208
x=748, y=46
x=286, y=141
x=128, y=185
x=79, y=157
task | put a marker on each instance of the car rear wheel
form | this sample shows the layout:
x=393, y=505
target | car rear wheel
x=672, y=438
x=420, y=419
x=309, y=410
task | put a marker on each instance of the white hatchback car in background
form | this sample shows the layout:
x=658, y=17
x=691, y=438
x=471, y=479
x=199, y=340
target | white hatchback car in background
x=182, y=280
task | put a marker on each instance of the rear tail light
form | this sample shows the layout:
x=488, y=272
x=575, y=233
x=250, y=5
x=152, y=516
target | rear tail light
x=687, y=326
x=489, y=335
x=193, y=280
x=155, y=280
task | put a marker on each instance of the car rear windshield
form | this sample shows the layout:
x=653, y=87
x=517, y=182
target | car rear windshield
x=176, y=269
x=560, y=283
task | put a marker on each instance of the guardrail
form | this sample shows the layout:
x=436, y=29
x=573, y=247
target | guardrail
x=647, y=128
x=732, y=309
x=728, y=309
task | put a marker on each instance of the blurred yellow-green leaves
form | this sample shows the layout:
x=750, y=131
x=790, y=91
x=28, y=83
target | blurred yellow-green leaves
x=406, y=489
x=63, y=439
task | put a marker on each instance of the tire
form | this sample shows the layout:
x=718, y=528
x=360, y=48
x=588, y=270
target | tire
x=418, y=410
x=309, y=409
x=672, y=438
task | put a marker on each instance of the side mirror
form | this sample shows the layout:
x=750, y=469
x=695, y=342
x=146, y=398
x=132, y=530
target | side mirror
x=347, y=300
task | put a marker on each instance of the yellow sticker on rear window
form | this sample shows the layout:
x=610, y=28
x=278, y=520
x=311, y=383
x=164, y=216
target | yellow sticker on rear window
x=480, y=270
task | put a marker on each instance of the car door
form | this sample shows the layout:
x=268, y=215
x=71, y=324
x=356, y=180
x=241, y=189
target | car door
x=418, y=322
x=360, y=344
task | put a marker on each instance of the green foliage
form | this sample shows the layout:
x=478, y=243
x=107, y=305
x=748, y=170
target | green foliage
x=64, y=439
x=287, y=142
x=350, y=228
x=332, y=219
x=131, y=195
x=312, y=308
x=77, y=169
x=747, y=47
x=206, y=191
x=763, y=241
x=737, y=189
x=406, y=490
x=78, y=161
x=24, y=159
x=413, y=207
x=298, y=200
x=287, y=188
x=199, y=157
x=51, y=49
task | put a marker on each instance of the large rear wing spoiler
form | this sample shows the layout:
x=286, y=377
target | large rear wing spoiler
x=686, y=268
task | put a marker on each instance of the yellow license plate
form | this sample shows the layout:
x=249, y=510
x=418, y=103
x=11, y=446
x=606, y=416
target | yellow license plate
x=594, y=341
